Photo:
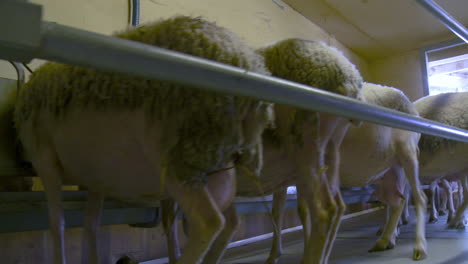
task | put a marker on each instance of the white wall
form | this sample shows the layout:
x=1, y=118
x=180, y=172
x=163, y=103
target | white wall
x=257, y=21
x=402, y=71
x=103, y=16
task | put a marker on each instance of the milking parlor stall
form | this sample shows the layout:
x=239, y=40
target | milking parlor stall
x=216, y=131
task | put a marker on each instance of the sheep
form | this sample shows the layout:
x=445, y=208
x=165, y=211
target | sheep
x=447, y=198
x=446, y=201
x=441, y=157
x=134, y=138
x=294, y=149
x=386, y=155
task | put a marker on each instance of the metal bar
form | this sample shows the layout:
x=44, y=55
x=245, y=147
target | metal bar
x=445, y=18
x=134, y=12
x=27, y=211
x=424, y=72
x=38, y=220
x=19, y=73
x=79, y=47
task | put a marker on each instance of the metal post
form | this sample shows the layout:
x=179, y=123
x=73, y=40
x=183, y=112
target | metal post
x=445, y=18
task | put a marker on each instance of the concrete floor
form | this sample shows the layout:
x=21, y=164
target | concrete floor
x=357, y=235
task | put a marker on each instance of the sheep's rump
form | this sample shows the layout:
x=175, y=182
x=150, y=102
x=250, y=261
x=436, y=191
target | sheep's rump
x=314, y=64
x=447, y=108
x=388, y=97
x=207, y=125
x=377, y=144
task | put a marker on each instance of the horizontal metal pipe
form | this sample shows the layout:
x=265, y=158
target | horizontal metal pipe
x=79, y=47
x=445, y=18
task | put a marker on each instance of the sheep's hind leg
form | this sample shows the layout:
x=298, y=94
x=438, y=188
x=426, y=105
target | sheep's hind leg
x=318, y=189
x=322, y=218
x=451, y=208
x=203, y=216
x=90, y=251
x=323, y=209
x=341, y=207
x=333, y=162
x=304, y=214
x=409, y=162
x=49, y=169
x=218, y=248
x=279, y=202
x=405, y=215
x=442, y=210
x=169, y=221
x=433, y=216
x=458, y=221
x=387, y=240
x=385, y=222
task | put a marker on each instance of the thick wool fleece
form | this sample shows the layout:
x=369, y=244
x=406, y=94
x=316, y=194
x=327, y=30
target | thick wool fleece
x=314, y=64
x=447, y=108
x=388, y=97
x=208, y=125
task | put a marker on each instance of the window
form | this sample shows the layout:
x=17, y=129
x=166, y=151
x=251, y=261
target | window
x=445, y=68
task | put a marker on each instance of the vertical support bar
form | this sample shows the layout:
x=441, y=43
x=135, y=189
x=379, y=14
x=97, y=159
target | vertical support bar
x=134, y=12
x=424, y=73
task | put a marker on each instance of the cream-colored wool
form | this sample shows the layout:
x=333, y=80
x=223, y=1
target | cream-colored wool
x=202, y=129
x=393, y=98
x=314, y=64
x=377, y=144
x=447, y=108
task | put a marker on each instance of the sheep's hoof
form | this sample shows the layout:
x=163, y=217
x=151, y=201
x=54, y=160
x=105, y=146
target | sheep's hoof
x=382, y=245
x=419, y=254
x=456, y=225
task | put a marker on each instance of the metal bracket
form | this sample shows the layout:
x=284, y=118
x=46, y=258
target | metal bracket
x=20, y=30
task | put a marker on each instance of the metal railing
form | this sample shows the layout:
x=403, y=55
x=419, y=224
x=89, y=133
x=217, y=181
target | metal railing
x=445, y=18
x=74, y=46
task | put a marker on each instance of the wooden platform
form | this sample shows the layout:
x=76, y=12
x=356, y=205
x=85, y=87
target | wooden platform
x=357, y=235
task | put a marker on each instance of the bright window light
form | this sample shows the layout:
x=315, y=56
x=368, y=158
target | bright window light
x=448, y=75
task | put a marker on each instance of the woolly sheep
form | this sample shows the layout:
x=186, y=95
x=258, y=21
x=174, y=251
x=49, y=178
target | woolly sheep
x=133, y=138
x=446, y=197
x=387, y=155
x=293, y=151
x=304, y=137
x=441, y=157
x=449, y=189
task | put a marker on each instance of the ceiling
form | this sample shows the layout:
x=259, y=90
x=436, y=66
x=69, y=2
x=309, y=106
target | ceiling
x=381, y=28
